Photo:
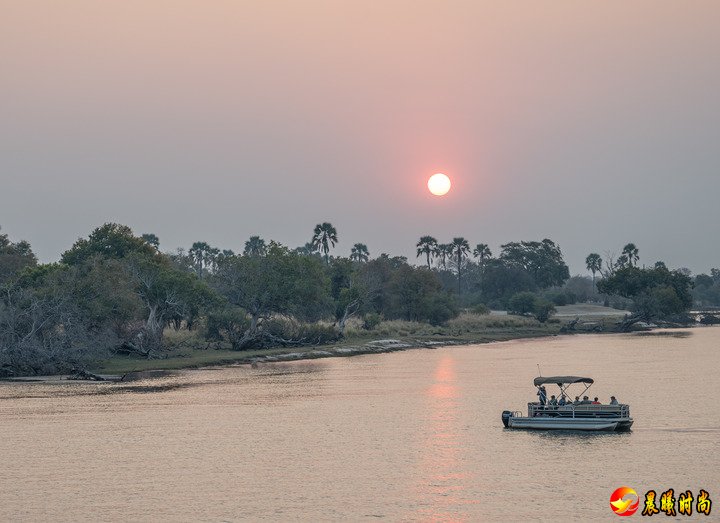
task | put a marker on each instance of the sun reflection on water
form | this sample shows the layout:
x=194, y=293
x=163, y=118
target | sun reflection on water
x=444, y=481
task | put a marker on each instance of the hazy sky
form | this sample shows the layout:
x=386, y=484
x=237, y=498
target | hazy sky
x=590, y=123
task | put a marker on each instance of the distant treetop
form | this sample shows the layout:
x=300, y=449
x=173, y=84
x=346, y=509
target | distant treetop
x=111, y=240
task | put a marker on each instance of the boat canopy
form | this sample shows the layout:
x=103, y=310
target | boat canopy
x=561, y=380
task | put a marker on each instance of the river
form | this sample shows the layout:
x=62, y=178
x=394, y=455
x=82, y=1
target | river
x=405, y=436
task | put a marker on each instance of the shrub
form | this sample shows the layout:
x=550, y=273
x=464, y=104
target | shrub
x=560, y=298
x=481, y=309
x=543, y=309
x=440, y=308
x=522, y=303
x=227, y=325
x=371, y=320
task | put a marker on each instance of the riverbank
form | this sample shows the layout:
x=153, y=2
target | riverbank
x=391, y=336
x=188, y=350
x=197, y=358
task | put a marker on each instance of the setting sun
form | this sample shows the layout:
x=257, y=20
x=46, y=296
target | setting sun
x=439, y=184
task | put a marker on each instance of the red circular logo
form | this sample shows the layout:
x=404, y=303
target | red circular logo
x=624, y=501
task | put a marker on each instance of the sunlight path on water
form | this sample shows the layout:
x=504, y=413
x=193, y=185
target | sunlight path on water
x=405, y=436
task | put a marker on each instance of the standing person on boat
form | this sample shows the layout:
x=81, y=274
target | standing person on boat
x=613, y=401
x=542, y=394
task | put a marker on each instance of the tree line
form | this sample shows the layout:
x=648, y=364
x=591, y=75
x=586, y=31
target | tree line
x=655, y=292
x=115, y=292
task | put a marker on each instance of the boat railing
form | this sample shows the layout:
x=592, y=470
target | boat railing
x=621, y=410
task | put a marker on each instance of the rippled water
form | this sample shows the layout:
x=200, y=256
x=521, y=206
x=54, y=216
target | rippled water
x=407, y=436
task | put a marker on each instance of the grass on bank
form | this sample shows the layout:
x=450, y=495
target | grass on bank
x=186, y=349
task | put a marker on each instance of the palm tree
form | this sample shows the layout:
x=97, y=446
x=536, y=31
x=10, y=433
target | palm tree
x=200, y=254
x=632, y=253
x=359, y=253
x=593, y=262
x=461, y=249
x=213, y=255
x=255, y=246
x=324, y=237
x=483, y=252
x=442, y=251
x=427, y=246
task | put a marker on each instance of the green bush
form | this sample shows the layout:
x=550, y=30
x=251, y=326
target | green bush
x=481, y=309
x=560, y=298
x=526, y=303
x=543, y=309
x=522, y=303
x=440, y=308
x=227, y=325
x=371, y=320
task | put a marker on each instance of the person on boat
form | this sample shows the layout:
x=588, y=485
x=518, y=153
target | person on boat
x=553, y=402
x=562, y=401
x=613, y=401
x=585, y=401
x=596, y=401
x=577, y=400
x=542, y=394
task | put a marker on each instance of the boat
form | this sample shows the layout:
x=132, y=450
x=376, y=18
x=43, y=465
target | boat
x=583, y=416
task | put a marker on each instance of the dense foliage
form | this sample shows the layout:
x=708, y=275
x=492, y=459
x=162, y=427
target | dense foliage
x=707, y=289
x=656, y=292
x=14, y=257
x=115, y=292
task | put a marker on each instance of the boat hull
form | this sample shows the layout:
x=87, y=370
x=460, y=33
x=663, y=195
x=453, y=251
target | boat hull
x=584, y=424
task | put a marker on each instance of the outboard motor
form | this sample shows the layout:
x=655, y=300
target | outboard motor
x=506, y=415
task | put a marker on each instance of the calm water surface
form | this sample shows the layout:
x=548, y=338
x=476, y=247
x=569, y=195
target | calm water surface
x=408, y=436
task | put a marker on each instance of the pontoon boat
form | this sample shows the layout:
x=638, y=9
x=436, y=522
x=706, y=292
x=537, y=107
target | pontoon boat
x=571, y=416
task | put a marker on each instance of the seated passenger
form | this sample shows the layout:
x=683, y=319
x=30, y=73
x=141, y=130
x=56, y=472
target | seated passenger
x=553, y=402
x=562, y=401
x=585, y=401
x=596, y=401
x=577, y=400
x=613, y=401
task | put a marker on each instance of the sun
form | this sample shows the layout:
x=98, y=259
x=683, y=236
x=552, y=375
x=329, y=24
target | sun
x=439, y=184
